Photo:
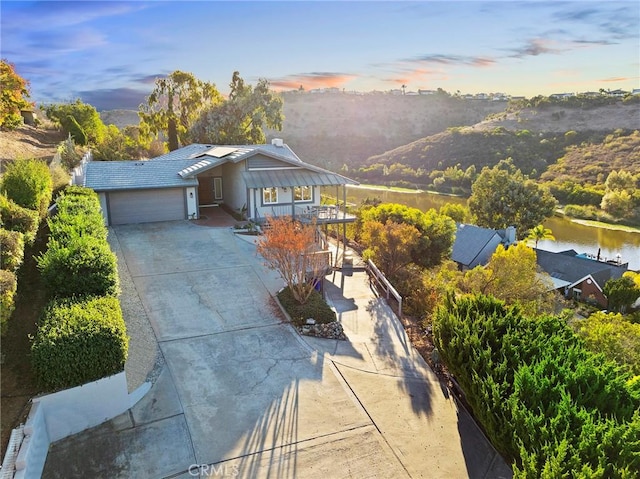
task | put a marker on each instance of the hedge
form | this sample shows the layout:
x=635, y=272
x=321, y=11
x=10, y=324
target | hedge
x=28, y=183
x=83, y=266
x=8, y=286
x=315, y=307
x=544, y=400
x=79, y=342
x=16, y=218
x=11, y=249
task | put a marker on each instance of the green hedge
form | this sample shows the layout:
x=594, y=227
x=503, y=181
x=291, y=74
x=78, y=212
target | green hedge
x=79, y=342
x=83, y=266
x=8, y=287
x=16, y=218
x=78, y=214
x=29, y=184
x=315, y=308
x=544, y=400
x=11, y=249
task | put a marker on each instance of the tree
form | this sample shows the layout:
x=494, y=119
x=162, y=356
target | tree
x=455, y=211
x=540, y=233
x=611, y=334
x=126, y=144
x=502, y=197
x=242, y=118
x=174, y=104
x=621, y=293
x=436, y=230
x=289, y=247
x=389, y=245
x=511, y=275
x=79, y=119
x=14, y=94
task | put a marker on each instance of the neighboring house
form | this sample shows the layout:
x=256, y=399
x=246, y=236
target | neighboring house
x=579, y=276
x=258, y=180
x=474, y=245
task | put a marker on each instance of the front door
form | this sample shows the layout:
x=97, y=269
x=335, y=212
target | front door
x=205, y=190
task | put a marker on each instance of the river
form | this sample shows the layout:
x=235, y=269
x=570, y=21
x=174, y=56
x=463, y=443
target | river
x=568, y=234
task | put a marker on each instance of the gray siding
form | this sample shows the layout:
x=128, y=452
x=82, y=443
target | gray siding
x=146, y=206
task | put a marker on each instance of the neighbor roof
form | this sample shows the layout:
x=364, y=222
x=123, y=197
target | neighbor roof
x=124, y=175
x=469, y=242
x=564, y=266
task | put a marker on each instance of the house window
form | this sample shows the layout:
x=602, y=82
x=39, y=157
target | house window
x=303, y=193
x=269, y=195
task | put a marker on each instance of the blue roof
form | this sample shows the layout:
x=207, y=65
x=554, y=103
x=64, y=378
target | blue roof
x=129, y=175
x=469, y=242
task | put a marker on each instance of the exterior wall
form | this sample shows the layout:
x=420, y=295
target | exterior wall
x=283, y=206
x=192, y=203
x=103, y=206
x=235, y=191
x=589, y=292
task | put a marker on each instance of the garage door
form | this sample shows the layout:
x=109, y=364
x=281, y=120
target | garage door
x=146, y=206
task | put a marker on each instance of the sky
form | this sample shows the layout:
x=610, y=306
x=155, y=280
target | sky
x=109, y=54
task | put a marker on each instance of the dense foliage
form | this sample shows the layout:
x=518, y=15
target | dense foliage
x=436, y=231
x=314, y=307
x=14, y=94
x=79, y=342
x=79, y=119
x=8, y=287
x=544, y=400
x=27, y=182
x=78, y=260
x=16, y=218
x=11, y=249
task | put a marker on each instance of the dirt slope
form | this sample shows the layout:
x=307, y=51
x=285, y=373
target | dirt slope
x=29, y=142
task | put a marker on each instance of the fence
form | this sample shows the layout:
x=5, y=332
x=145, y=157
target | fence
x=383, y=282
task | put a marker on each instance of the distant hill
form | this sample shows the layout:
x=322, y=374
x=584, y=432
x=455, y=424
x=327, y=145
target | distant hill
x=333, y=129
x=120, y=118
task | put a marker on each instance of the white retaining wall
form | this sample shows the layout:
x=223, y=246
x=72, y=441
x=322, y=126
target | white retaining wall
x=61, y=414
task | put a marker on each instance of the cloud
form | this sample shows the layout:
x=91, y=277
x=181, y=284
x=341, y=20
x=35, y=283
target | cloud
x=441, y=59
x=310, y=81
x=535, y=47
x=617, y=79
x=114, y=98
x=617, y=21
x=65, y=41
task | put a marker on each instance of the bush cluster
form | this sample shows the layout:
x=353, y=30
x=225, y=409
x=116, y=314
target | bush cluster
x=28, y=183
x=544, y=400
x=315, y=307
x=81, y=336
x=8, y=286
x=79, y=341
x=78, y=260
x=16, y=218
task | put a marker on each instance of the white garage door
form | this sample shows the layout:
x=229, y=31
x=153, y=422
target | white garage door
x=146, y=206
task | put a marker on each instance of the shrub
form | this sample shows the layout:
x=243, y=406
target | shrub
x=78, y=215
x=11, y=249
x=83, y=266
x=75, y=131
x=28, y=183
x=543, y=399
x=315, y=307
x=16, y=218
x=8, y=287
x=79, y=342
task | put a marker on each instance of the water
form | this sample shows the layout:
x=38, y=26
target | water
x=569, y=235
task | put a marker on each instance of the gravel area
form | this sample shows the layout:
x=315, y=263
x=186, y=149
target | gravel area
x=145, y=359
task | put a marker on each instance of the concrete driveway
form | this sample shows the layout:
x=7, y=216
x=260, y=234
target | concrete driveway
x=240, y=394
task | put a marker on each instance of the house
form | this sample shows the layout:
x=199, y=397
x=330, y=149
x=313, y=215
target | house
x=257, y=180
x=579, y=276
x=474, y=245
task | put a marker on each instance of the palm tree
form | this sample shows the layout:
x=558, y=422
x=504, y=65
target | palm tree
x=540, y=233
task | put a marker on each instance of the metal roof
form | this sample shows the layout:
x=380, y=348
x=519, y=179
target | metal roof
x=293, y=177
x=124, y=175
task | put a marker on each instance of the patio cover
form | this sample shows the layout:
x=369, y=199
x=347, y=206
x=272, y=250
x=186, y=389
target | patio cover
x=293, y=177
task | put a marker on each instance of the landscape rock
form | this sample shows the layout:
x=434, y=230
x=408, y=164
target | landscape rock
x=331, y=330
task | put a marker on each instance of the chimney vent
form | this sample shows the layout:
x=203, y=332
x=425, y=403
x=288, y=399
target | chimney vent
x=277, y=142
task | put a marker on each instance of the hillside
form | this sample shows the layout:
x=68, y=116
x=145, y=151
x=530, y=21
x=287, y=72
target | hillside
x=29, y=142
x=535, y=138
